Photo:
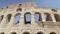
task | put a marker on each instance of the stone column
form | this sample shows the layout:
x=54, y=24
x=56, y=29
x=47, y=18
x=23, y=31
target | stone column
x=53, y=18
x=21, y=19
x=32, y=18
x=42, y=16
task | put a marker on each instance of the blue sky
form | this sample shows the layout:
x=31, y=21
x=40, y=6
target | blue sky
x=41, y=3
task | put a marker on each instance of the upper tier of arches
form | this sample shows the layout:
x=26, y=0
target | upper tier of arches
x=27, y=17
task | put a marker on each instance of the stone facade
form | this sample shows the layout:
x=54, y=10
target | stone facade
x=47, y=25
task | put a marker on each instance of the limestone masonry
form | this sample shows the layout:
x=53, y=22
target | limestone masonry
x=48, y=21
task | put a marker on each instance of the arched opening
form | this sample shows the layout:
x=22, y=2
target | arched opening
x=8, y=17
x=37, y=16
x=47, y=17
x=7, y=7
x=13, y=33
x=26, y=33
x=2, y=33
x=27, y=18
x=1, y=18
x=19, y=9
x=57, y=17
x=20, y=4
x=40, y=33
x=52, y=33
x=17, y=18
x=55, y=10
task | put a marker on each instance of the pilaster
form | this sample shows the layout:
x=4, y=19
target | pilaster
x=53, y=18
x=43, y=17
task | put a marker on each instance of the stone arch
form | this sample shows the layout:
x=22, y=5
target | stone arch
x=57, y=17
x=52, y=33
x=37, y=16
x=55, y=10
x=39, y=33
x=26, y=33
x=1, y=17
x=13, y=33
x=19, y=9
x=20, y=5
x=27, y=18
x=17, y=18
x=2, y=33
x=47, y=17
x=9, y=17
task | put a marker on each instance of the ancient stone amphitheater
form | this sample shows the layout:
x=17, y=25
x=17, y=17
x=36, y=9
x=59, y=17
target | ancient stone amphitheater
x=48, y=21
